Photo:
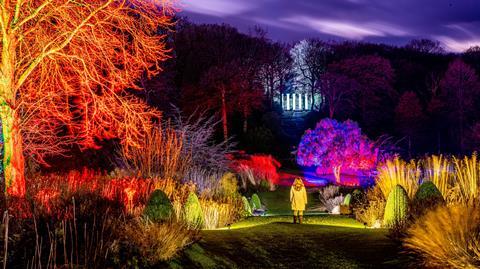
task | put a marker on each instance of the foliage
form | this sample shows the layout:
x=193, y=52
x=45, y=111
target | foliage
x=229, y=186
x=255, y=201
x=332, y=146
x=159, y=207
x=467, y=172
x=427, y=198
x=333, y=203
x=247, y=210
x=192, y=212
x=253, y=169
x=396, y=208
x=438, y=169
x=220, y=214
x=371, y=214
x=428, y=191
x=398, y=172
x=159, y=155
x=347, y=200
x=328, y=192
x=199, y=144
x=447, y=237
x=81, y=102
x=151, y=242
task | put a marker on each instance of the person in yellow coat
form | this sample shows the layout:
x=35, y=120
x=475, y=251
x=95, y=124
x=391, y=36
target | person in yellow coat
x=298, y=199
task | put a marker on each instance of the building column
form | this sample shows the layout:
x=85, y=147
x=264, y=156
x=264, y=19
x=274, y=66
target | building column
x=288, y=101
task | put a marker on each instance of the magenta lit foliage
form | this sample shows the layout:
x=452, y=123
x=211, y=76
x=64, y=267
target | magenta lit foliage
x=336, y=145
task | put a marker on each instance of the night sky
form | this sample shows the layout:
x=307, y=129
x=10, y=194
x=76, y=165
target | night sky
x=455, y=23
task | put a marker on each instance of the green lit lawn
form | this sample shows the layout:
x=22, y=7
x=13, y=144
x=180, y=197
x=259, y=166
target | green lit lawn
x=324, y=241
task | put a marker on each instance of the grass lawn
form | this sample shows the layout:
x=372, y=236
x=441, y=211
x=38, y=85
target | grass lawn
x=324, y=241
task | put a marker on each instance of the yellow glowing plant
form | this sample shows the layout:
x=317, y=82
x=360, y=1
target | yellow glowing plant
x=398, y=172
x=439, y=170
x=467, y=171
x=447, y=237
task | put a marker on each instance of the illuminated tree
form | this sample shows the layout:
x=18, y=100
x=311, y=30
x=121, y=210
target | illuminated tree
x=333, y=146
x=309, y=62
x=65, y=66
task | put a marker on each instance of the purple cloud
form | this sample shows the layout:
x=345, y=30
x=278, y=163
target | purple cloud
x=455, y=23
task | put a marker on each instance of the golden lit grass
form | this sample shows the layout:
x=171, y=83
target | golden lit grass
x=439, y=170
x=158, y=242
x=447, y=237
x=398, y=172
x=467, y=171
x=219, y=214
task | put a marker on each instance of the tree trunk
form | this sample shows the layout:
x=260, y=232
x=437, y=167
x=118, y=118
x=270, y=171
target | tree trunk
x=337, y=173
x=13, y=159
x=224, y=116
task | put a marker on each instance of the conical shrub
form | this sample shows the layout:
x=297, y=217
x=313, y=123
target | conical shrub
x=193, y=213
x=427, y=197
x=247, y=210
x=256, y=203
x=347, y=200
x=396, y=208
x=159, y=207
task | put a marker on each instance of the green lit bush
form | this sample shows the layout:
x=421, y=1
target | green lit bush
x=396, y=208
x=256, y=203
x=159, y=207
x=347, y=200
x=247, y=210
x=193, y=213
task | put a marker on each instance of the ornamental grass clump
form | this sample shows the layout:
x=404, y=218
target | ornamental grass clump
x=398, y=172
x=448, y=237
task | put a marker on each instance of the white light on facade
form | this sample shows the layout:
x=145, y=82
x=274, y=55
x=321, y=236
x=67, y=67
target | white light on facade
x=288, y=101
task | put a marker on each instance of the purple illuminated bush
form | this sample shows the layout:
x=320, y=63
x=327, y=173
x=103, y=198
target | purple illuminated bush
x=333, y=146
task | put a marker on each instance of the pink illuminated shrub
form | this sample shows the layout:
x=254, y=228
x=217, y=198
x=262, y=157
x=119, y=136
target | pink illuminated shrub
x=258, y=168
x=333, y=146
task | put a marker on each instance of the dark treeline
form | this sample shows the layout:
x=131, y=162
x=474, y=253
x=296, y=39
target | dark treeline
x=420, y=96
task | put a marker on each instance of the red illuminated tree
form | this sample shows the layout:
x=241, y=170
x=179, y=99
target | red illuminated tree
x=65, y=67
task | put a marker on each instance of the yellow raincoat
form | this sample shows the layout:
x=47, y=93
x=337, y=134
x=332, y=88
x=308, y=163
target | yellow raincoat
x=298, y=195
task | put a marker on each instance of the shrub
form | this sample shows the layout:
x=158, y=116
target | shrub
x=256, y=203
x=396, y=207
x=358, y=198
x=333, y=146
x=247, y=210
x=159, y=207
x=447, y=237
x=332, y=203
x=327, y=193
x=427, y=197
x=193, y=214
x=371, y=213
x=217, y=214
x=228, y=186
x=151, y=243
x=256, y=168
x=347, y=200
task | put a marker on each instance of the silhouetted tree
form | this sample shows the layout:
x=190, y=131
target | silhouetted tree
x=409, y=117
x=460, y=88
